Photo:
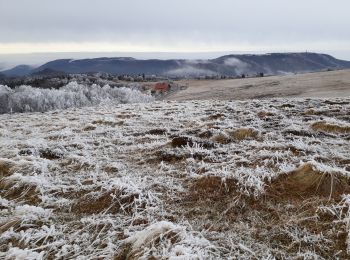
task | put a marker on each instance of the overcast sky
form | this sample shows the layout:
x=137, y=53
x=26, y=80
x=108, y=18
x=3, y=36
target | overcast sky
x=175, y=26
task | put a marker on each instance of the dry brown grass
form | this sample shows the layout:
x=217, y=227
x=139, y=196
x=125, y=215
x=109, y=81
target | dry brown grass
x=312, y=112
x=89, y=128
x=291, y=200
x=6, y=225
x=157, y=132
x=134, y=250
x=9, y=167
x=330, y=128
x=206, y=134
x=107, y=123
x=6, y=167
x=221, y=139
x=212, y=187
x=111, y=169
x=264, y=114
x=207, y=195
x=216, y=117
x=109, y=202
x=244, y=133
x=76, y=165
x=307, y=181
x=26, y=192
x=283, y=207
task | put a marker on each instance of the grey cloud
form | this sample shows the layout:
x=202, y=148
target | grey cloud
x=209, y=23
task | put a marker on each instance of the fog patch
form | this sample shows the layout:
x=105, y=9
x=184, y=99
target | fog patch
x=239, y=66
x=284, y=73
x=189, y=71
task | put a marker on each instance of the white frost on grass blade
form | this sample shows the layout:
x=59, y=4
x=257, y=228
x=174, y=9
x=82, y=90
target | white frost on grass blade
x=167, y=240
x=16, y=253
x=342, y=213
x=28, y=212
x=82, y=181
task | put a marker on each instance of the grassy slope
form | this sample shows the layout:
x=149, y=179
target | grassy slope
x=320, y=84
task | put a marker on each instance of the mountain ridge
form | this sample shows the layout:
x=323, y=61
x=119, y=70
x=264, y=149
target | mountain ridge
x=228, y=65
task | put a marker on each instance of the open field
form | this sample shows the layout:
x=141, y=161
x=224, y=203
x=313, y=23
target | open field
x=320, y=84
x=181, y=180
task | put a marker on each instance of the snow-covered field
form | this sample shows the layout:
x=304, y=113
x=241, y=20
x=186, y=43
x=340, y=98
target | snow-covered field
x=180, y=180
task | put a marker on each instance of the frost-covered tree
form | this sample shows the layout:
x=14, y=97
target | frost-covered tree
x=28, y=99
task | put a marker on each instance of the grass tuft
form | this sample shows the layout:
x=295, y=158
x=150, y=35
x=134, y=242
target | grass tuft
x=330, y=128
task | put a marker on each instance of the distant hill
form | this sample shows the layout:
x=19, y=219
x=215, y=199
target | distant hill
x=113, y=66
x=20, y=70
x=281, y=63
x=48, y=72
x=230, y=65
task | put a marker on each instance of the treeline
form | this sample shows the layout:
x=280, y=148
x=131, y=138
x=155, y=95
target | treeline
x=28, y=99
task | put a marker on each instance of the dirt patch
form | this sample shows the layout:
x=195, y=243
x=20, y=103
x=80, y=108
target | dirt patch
x=50, y=154
x=330, y=128
x=181, y=141
x=125, y=116
x=206, y=134
x=306, y=181
x=330, y=102
x=107, y=123
x=157, y=132
x=298, y=133
x=287, y=106
x=168, y=157
x=173, y=157
x=25, y=152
